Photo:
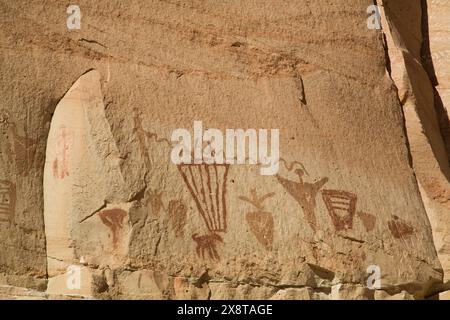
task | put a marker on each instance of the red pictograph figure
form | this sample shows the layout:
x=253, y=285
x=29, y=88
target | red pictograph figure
x=207, y=184
x=399, y=228
x=207, y=244
x=63, y=145
x=260, y=221
x=177, y=215
x=7, y=200
x=15, y=147
x=155, y=201
x=304, y=193
x=341, y=206
x=113, y=219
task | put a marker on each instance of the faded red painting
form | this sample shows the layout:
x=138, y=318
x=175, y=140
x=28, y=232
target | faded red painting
x=155, y=201
x=368, y=220
x=113, y=219
x=63, y=145
x=304, y=193
x=207, y=245
x=177, y=215
x=399, y=228
x=7, y=200
x=260, y=221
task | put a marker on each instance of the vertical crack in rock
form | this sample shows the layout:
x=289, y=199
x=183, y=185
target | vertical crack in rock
x=301, y=89
x=81, y=171
x=435, y=19
x=412, y=71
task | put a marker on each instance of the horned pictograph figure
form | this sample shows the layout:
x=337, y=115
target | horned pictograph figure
x=304, y=193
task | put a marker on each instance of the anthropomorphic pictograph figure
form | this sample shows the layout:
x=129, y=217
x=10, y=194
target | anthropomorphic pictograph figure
x=304, y=193
x=113, y=219
x=207, y=184
x=63, y=145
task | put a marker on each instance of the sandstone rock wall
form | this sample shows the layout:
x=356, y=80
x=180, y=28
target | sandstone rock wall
x=410, y=33
x=86, y=124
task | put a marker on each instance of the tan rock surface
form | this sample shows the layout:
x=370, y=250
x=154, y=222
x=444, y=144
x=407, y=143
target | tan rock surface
x=412, y=59
x=439, y=35
x=438, y=60
x=86, y=124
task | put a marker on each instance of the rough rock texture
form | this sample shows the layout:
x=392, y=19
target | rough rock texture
x=86, y=178
x=415, y=52
x=437, y=63
x=437, y=59
x=439, y=70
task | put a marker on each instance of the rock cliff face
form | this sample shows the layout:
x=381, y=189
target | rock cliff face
x=92, y=204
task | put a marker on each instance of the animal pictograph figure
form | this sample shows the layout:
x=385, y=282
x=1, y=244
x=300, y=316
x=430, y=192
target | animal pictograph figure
x=206, y=245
